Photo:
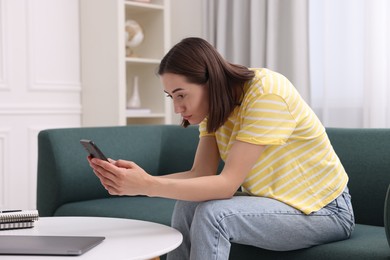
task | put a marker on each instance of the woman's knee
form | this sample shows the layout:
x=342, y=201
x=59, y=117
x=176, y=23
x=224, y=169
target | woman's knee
x=183, y=207
x=183, y=212
x=210, y=213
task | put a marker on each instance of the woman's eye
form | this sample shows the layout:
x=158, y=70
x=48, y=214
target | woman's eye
x=169, y=96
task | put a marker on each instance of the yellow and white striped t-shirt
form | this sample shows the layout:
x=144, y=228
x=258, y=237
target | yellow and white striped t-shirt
x=299, y=166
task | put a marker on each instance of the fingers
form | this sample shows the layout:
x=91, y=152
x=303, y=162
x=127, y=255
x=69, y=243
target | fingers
x=117, y=177
x=107, y=166
x=105, y=171
x=111, y=160
x=107, y=183
x=126, y=164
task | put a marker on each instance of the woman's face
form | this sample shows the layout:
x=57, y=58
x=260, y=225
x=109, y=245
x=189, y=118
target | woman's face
x=189, y=100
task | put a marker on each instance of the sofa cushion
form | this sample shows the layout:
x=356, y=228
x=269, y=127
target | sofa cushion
x=366, y=242
x=143, y=208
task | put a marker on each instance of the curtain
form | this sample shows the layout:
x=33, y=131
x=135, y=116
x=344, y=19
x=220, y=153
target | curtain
x=262, y=33
x=350, y=62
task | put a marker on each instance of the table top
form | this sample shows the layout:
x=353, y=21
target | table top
x=125, y=238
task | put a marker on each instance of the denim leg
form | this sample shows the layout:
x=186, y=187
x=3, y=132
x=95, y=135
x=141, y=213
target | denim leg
x=209, y=227
x=182, y=217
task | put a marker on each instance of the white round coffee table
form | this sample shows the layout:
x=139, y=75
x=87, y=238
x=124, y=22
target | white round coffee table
x=125, y=238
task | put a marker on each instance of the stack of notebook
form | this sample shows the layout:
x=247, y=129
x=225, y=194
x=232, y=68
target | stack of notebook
x=13, y=219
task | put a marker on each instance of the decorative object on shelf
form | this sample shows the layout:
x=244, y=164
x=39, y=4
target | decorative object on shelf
x=134, y=100
x=134, y=36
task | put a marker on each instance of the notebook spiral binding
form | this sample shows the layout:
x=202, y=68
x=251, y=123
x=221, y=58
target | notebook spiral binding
x=19, y=216
x=18, y=219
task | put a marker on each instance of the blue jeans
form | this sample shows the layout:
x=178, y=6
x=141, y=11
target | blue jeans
x=209, y=227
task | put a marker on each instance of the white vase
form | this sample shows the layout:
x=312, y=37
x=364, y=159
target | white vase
x=134, y=100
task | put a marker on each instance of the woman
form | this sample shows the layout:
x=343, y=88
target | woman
x=273, y=146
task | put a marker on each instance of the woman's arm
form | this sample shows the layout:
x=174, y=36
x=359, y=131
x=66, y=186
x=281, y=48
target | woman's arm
x=205, y=162
x=127, y=178
x=240, y=161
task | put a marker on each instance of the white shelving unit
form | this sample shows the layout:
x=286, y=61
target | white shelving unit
x=108, y=75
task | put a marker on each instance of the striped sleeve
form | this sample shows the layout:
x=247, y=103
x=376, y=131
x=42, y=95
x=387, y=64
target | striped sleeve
x=266, y=121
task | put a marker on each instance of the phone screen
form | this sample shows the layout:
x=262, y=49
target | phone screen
x=92, y=149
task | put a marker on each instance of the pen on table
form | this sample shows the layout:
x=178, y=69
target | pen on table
x=9, y=211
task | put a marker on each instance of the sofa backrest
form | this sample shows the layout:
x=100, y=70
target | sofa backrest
x=65, y=176
x=365, y=154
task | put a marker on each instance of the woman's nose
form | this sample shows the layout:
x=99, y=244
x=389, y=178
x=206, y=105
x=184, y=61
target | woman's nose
x=178, y=108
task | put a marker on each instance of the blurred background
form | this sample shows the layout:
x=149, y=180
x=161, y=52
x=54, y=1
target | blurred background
x=76, y=63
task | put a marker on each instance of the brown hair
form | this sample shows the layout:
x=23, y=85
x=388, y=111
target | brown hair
x=200, y=63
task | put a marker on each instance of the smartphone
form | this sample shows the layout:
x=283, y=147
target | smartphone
x=92, y=149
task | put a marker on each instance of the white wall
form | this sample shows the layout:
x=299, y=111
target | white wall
x=39, y=87
x=186, y=21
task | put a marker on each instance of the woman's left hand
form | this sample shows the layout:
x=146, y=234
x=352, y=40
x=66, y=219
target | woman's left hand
x=121, y=177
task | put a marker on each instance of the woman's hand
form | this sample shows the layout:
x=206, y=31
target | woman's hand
x=121, y=177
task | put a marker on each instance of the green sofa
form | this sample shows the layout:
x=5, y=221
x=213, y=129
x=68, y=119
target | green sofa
x=68, y=187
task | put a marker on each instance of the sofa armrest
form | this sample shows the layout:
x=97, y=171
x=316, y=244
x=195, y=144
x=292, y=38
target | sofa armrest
x=63, y=172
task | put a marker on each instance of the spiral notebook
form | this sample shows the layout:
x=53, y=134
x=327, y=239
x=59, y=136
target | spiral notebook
x=13, y=219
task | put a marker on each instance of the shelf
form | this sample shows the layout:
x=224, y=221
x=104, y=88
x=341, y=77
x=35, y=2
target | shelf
x=108, y=74
x=142, y=113
x=141, y=6
x=142, y=60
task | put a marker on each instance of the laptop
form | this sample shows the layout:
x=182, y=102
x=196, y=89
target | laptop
x=47, y=245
